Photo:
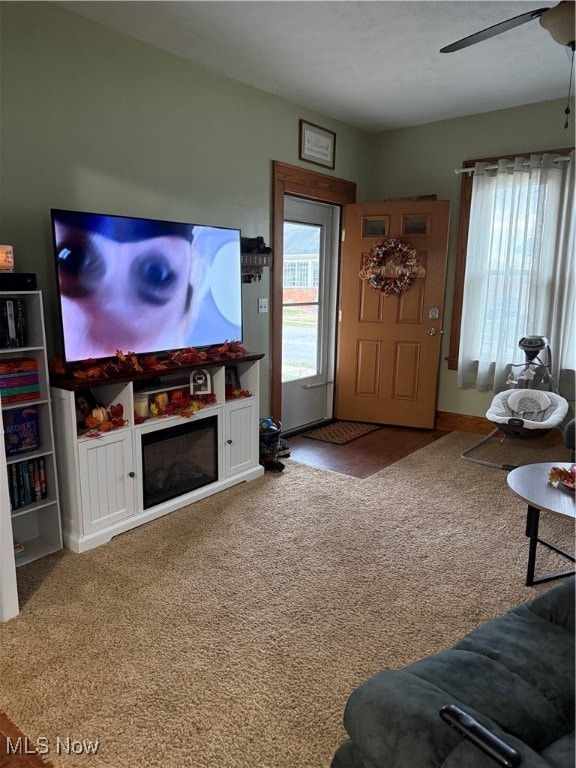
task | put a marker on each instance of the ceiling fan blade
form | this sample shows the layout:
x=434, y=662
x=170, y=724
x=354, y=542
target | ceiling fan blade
x=496, y=29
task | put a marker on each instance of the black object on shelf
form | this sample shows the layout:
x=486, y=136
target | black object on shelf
x=254, y=245
x=18, y=281
x=13, y=329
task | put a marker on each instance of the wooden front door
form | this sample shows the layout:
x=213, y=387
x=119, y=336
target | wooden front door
x=389, y=346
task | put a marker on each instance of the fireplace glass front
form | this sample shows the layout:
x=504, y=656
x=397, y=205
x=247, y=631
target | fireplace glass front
x=179, y=459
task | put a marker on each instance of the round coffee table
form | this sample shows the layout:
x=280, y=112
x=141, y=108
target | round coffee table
x=530, y=483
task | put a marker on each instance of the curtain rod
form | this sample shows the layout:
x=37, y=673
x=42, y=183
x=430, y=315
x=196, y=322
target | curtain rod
x=563, y=159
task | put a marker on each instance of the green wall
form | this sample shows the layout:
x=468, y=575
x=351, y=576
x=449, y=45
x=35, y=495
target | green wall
x=422, y=160
x=91, y=119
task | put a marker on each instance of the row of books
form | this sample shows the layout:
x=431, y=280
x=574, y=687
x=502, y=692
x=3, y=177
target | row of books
x=27, y=482
x=13, y=331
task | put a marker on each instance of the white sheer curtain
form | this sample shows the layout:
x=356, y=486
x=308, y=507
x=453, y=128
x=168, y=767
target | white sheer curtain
x=520, y=268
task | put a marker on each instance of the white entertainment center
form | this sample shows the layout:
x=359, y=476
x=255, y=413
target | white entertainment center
x=102, y=478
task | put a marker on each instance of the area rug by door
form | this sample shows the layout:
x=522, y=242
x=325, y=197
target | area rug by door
x=341, y=432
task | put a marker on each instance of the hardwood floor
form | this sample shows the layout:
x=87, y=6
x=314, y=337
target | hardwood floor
x=15, y=750
x=364, y=456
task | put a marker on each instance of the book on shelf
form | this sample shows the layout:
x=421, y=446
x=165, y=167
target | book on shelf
x=27, y=482
x=18, y=365
x=13, y=327
x=19, y=550
x=21, y=430
x=19, y=380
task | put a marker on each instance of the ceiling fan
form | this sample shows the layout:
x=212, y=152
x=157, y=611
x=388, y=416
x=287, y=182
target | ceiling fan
x=558, y=20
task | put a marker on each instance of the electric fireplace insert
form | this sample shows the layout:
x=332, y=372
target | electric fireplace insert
x=179, y=459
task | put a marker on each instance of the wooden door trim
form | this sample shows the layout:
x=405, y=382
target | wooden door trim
x=293, y=180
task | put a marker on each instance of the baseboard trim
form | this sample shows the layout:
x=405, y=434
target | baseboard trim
x=462, y=422
x=480, y=425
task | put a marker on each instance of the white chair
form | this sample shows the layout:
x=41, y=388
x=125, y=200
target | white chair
x=527, y=412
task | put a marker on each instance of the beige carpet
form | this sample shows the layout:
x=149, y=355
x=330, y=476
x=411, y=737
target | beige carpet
x=512, y=451
x=341, y=432
x=229, y=634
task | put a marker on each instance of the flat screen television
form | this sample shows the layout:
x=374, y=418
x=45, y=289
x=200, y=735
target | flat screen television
x=144, y=285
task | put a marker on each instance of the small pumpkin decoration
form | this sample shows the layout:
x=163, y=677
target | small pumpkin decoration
x=161, y=400
x=99, y=415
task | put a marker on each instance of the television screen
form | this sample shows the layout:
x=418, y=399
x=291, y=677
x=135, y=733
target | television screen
x=144, y=285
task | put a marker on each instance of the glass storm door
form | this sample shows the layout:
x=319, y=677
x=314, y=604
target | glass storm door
x=308, y=311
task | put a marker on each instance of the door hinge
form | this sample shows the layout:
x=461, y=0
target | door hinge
x=343, y=235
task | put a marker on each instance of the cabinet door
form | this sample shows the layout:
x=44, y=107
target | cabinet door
x=106, y=481
x=241, y=443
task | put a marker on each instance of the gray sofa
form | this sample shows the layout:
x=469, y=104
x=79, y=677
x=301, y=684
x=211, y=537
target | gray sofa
x=514, y=675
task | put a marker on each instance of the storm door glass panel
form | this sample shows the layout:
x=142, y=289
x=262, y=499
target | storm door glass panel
x=301, y=301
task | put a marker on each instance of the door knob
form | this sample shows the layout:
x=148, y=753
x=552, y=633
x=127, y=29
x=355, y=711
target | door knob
x=432, y=331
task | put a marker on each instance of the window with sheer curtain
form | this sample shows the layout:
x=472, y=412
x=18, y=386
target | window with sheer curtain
x=519, y=277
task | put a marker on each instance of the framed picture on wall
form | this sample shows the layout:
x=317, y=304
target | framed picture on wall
x=317, y=145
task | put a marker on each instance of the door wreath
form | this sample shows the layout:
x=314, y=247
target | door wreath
x=391, y=267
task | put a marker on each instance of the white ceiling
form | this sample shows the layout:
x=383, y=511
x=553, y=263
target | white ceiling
x=375, y=64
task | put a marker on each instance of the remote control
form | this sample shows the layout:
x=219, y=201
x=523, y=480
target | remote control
x=501, y=752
